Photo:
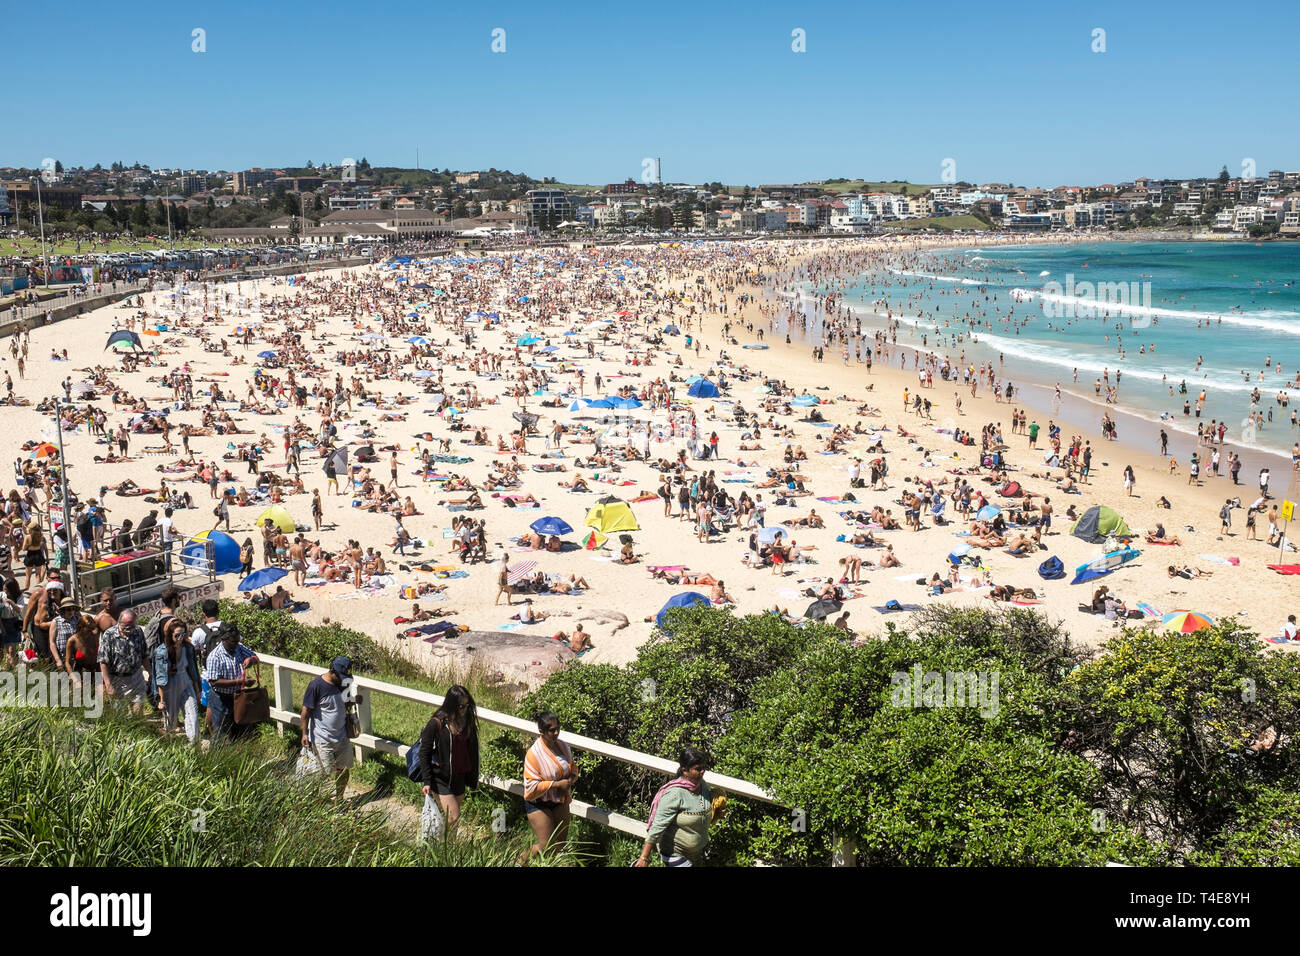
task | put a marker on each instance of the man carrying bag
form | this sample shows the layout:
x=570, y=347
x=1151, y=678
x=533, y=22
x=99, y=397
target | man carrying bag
x=225, y=673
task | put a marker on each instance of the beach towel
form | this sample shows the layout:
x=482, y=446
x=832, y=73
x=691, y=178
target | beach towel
x=893, y=606
x=1215, y=559
x=1285, y=568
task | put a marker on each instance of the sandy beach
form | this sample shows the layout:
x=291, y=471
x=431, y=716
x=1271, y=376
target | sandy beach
x=599, y=317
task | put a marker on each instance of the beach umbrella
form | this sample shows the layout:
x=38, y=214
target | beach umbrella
x=424, y=373
x=123, y=337
x=820, y=610
x=418, y=340
x=579, y=404
x=768, y=534
x=988, y=513
x=762, y=390
x=624, y=403
x=703, y=389
x=593, y=540
x=225, y=552
x=372, y=337
x=43, y=450
x=340, y=459
x=805, y=401
x=600, y=403
x=528, y=340
x=551, y=525
x=685, y=599
x=1185, y=622
x=548, y=350
x=672, y=330
x=279, y=517
x=268, y=354
x=608, y=517
x=262, y=578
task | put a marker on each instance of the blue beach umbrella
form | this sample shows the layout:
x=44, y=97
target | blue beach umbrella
x=268, y=354
x=528, y=340
x=424, y=373
x=768, y=534
x=600, y=403
x=805, y=401
x=548, y=349
x=685, y=599
x=261, y=578
x=418, y=340
x=988, y=513
x=624, y=403
x=551, y=525
x=579, y=404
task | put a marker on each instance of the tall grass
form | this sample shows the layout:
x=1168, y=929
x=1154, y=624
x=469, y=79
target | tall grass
x=111, y=793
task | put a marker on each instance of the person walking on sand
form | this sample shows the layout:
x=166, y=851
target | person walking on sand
x=1129, y=480
x=503, y=581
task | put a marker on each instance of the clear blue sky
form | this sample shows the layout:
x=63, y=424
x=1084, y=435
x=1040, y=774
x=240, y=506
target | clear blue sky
x=1012, y=92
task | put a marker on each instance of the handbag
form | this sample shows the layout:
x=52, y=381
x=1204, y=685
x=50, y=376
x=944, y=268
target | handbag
x=252, y=704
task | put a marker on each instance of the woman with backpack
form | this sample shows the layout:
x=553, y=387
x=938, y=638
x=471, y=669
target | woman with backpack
x=449, y=753
x=174, y=674
x=246, y=553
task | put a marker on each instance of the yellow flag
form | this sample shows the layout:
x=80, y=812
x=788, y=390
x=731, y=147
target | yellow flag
x=1288, y=508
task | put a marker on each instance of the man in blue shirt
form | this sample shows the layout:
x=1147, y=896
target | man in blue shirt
x=325, y=723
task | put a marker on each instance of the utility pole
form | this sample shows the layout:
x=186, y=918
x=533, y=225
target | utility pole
x=40, y=212
x=74, y=583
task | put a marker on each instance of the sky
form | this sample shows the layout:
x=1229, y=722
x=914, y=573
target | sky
x=1024, y=93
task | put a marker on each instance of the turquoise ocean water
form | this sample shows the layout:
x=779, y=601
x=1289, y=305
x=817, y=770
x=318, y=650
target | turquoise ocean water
x=1146, y=310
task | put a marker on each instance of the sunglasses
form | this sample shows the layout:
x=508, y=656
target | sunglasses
x=552, y=730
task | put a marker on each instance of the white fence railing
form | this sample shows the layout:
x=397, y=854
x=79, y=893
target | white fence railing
x=368, y=742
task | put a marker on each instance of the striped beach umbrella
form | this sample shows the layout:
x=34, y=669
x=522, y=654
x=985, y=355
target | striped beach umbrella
x=1186, y=622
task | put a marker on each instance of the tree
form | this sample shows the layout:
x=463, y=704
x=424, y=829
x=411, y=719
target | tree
x=459, y=209
x=1171, y=717
x=1223, y=176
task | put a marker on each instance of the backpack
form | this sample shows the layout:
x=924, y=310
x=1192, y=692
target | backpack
x=413, y=761
x=209, y=631
x=153, y=634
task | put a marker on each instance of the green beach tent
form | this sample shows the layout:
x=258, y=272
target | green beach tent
x=1098, y=523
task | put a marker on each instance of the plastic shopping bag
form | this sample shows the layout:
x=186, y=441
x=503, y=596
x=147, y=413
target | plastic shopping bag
x=307, y=763
x=433, y=826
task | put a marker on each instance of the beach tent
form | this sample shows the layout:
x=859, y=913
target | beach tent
x=551, y=525
x=1098, y=523
x=224, y=554
x=1011, y=489
x=279, y=517
x=671, y=329
x=262, y=578
x=685, y=599
x=703, y=389
x=1052, y=569
x=123, y=337
x=608, y=517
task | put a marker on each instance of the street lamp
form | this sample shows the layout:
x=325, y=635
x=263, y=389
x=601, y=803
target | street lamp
x=40, y=212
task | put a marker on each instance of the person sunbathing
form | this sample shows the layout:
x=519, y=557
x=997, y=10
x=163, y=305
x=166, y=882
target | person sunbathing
x=684, y=576
x=1005, y=592
x=939, y=585
x=1021, y=544
x=561, y=585
x=1188, y=572
x=1160, y=537
x=719, y=594
x=577, y=484
x=627, y=555
x=1066, y=483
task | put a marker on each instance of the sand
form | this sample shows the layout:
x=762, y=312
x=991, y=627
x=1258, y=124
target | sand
x=1261, y=598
